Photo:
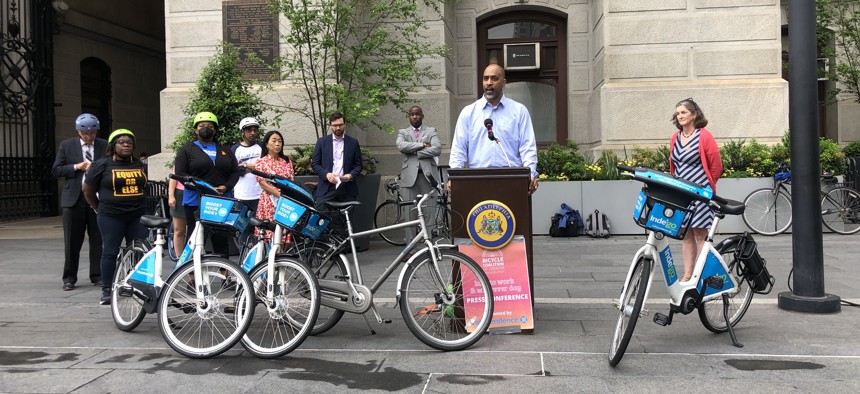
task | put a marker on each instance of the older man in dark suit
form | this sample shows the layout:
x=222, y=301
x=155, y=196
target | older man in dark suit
x=337, y=162
x=74, y=157
x=421, y=148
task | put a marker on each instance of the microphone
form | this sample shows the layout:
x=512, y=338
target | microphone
x=488, y=123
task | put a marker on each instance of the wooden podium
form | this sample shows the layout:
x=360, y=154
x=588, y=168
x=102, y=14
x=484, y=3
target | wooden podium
x=508, y=185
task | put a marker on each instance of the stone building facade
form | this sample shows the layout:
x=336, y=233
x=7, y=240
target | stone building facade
x=611, y=73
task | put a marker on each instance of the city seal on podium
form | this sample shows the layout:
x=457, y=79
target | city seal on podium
x=491, y=224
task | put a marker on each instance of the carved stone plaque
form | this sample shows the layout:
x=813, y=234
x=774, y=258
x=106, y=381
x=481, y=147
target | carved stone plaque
x=250, y=27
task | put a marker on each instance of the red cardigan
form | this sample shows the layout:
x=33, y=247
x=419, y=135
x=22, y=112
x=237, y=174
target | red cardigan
x=708, y=152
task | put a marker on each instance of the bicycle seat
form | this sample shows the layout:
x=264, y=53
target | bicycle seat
x=732, y=207
x=261, y=223
x=341, y=205
x=152, y=221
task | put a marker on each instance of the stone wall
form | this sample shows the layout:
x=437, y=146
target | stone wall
x=136, y=61
x=724, y=54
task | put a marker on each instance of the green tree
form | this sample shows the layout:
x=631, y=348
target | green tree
x=838, y=22
x=221, y=89
x=355, y=56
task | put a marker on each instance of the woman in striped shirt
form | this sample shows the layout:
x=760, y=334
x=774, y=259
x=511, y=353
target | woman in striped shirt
x=694, y=157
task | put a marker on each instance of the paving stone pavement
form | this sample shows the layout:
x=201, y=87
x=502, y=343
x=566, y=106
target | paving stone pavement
x=53, y=341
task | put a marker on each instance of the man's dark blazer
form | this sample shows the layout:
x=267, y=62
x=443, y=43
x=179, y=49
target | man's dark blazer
x=322, y=162
x=68, y=154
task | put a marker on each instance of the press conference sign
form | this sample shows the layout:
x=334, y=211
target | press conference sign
x=522, y=56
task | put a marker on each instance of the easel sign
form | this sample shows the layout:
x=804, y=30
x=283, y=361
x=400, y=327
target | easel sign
x=507, y=269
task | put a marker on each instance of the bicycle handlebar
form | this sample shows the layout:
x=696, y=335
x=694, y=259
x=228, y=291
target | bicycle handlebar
x=195, y=183
x=684, y=187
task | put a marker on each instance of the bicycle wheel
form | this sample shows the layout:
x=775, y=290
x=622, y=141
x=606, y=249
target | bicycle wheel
x=128, y=311
x=840, y=210
x=389, y=213
x=629, y=309
x=210, y=326
x=331, y=269
x=279, y=326
x=453, y=314
x=767, y=213
x=711, y=312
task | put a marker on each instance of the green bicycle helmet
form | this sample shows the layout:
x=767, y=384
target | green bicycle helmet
x=205, y=117
x=118, y=132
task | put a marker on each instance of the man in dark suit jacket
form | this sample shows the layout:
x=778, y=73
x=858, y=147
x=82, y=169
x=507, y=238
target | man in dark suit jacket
x=337, y=162
x=74, y=157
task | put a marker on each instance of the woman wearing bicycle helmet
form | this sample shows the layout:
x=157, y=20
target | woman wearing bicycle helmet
x=212, y=162
x=114, y=188
x=694, y=157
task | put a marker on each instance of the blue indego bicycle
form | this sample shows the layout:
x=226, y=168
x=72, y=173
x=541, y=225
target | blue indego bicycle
x=205, y=307
x=724, y=278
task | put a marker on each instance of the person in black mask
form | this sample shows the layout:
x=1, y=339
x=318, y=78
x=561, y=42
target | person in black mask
x=206, y=159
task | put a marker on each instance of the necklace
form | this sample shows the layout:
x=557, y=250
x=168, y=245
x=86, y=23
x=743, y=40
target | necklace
x=687, y=135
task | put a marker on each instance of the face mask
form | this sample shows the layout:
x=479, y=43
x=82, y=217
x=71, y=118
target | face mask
x=206, y=133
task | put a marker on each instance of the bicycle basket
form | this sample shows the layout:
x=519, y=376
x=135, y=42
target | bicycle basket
x=657, y=214
x=224, y=212
x=299, y=218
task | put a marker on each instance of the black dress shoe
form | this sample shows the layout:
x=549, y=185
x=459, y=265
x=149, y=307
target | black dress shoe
x=68, y=286
x=96, y=281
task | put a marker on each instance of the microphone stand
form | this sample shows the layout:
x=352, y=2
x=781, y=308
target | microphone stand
x=499, y=144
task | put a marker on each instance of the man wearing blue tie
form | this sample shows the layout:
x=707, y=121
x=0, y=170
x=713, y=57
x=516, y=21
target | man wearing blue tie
x=421, y=148
x=337, y=162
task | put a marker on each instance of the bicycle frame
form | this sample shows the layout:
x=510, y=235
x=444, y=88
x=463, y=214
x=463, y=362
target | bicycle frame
x=685, y=296
x=146, y=276
x=355, y=282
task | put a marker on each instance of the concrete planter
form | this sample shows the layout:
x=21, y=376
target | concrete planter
x=616, y=199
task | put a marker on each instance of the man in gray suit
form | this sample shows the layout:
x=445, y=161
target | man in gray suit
x=421, y=149
x=74, y=157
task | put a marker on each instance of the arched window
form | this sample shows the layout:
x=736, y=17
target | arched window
x=96, y=92
x=544, y=90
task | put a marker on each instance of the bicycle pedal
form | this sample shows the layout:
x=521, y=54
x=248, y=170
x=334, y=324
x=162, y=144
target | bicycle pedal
x=662, y=319
x=125, y=291
x=386, y=321
x=342, y=277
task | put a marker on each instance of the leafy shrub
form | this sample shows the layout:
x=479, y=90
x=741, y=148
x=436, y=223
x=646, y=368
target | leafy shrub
x=741, y=159
x=852, y=149
x=732, y=154
x=657, y=159
x=561, y=163
x=832, y=158
x=222, y=90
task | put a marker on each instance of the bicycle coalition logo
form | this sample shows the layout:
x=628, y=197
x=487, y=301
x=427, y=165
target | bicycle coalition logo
x=491, y=224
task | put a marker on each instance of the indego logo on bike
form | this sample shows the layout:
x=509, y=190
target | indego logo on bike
x=663, y=222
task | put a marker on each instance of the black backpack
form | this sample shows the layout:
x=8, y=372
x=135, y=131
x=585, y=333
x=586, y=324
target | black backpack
x=566, y=223
x=597, y=225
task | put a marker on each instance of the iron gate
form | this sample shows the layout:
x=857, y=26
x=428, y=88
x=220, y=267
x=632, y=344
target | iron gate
x=27, y=189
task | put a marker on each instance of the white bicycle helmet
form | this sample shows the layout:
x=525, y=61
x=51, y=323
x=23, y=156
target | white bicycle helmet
x=248, y=122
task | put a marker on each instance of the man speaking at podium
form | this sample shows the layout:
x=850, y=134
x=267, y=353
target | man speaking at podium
x=495, y=131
